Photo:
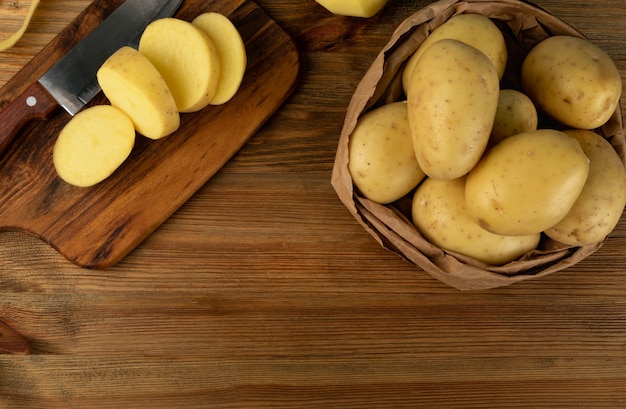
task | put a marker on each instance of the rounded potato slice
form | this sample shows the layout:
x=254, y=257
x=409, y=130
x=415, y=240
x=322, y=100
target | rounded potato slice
x=186, y=58
x=93, y=145
x=134, y=85
x=231, y=51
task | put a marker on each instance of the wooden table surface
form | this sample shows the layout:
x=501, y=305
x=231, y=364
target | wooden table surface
x=263, y=291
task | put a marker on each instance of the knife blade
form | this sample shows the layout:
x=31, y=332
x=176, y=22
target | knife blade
x=71, y=83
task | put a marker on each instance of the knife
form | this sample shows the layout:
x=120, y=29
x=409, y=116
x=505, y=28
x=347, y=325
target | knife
x=71, y=83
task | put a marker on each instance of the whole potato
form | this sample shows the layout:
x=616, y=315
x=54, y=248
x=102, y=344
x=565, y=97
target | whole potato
x=452, y=100
x=599, y=206
x=527, y=183
x=516, y=113
x=439, y=213
x=382, y=161
x=472, y=29
x=572, y=80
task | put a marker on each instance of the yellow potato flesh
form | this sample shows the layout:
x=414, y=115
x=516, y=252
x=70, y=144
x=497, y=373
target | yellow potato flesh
x=527, y=183
x=599, y=206
x=381, y=158
x=354, y=8
x=475, y=30
x=134, y=85
x=231, y=51
x=452, y=100
x=516, y=113
x=186, y=58
x=92, y=145
x=439, y=213
x=572, y=80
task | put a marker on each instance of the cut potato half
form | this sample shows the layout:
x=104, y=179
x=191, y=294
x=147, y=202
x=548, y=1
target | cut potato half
x=93, y=145
x=353, y=8
x=231, y=50
x=133, y=84
x=186, y=58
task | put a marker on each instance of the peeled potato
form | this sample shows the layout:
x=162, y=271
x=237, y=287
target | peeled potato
x=231, y=51
x=186, y=58
x=93, y=145
x=439, y=213
x=599, y=206
x=353, y=8
x=10, y=41
x=134, y=85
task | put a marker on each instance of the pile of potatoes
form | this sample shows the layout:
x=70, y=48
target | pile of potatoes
x=485, y=179
x=179, y=67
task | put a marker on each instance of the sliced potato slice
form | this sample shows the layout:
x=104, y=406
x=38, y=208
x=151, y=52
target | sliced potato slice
x=231, y=50
x=186, y=57
x=93, y=145
x=133, y=84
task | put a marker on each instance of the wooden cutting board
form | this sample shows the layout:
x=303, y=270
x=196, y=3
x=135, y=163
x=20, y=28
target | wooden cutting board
x=96, y=227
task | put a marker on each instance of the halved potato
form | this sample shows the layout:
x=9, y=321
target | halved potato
x=353, y=8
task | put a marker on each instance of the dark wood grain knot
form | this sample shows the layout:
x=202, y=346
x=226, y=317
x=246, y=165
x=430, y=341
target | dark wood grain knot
x=11, y=342
x=330, y=33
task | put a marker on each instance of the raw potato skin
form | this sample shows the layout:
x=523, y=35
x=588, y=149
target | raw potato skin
x=472, y=29
x=599, y=206
x=452, y=100
x=439, y=213
x=572, y=80
x=92, y=145
x=527, y=183
x=231, y=51
x=382, y=161
x=353, y=8
x=134, y=85
x=186, y=57
x=516, y=113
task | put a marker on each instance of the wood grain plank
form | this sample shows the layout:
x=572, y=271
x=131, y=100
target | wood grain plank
x=262, y=291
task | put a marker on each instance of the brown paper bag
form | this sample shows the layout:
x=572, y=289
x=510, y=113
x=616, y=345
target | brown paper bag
x=523, y=25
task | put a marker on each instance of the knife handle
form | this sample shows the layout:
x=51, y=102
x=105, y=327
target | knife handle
x=34, y=103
